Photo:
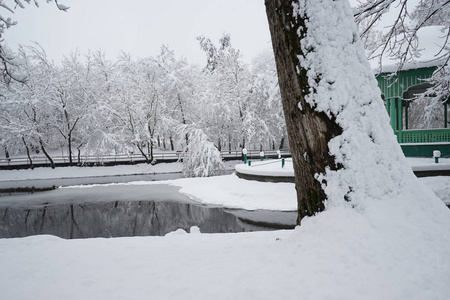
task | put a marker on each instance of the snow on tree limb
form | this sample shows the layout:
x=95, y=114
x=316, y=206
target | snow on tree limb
x=5, y=67
x=400, y=38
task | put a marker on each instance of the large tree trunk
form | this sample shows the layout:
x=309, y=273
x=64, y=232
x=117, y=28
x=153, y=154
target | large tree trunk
x=308, y=130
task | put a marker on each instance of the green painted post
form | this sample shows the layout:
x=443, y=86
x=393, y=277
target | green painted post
x=392, y=113
x=406, y=115
x=446, y=113
x=388, y=105
x=282, y=163
x=249, y=163
x=244, y=151
x=400, y=119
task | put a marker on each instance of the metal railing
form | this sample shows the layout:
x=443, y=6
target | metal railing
x=424, y=136
x=167, y=156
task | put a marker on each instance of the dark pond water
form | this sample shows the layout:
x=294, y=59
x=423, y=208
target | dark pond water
x=108, y=212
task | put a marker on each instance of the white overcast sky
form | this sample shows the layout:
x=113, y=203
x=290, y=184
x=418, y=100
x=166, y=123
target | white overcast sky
x=140, y=27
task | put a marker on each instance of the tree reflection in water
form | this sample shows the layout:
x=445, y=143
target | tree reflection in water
x=129, y=218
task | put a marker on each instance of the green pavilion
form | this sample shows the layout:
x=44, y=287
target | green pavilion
x=398, y=91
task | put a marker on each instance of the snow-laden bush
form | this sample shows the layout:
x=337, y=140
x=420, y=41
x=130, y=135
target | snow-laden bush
x=200, y=157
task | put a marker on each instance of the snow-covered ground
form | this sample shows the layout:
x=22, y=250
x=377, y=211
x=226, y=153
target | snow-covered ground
x=428, y=164
x=394, y=249
x=342, y=253
x=268, y=168
x=77, y=172
x=274, y=167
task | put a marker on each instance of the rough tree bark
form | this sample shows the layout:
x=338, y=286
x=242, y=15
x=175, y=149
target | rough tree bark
x=308, y=130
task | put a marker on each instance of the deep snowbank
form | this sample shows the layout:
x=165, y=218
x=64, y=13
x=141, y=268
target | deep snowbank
x=395, y=249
